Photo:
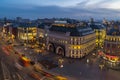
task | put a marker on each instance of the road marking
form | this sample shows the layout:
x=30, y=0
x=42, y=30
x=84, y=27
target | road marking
x=6, y=73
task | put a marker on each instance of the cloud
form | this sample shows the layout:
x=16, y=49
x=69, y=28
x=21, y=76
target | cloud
x=109, y=4
x=26, y=4
x=60, y=8
x=62, y=3
x=56, y=11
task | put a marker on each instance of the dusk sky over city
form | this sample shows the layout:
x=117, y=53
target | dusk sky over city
x=59, y=39
x=60, y=8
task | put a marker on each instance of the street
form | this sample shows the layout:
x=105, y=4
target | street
x=9, y=70
x=88, y=68
x=79, y=69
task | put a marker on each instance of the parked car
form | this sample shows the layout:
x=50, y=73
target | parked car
x=48, y=64
x=16, y=52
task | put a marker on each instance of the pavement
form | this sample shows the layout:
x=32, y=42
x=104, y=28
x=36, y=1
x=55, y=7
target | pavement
x=79, y=69
x=74, y=69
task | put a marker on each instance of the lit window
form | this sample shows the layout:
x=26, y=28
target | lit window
x=71, y=52
x=78, y=47
x=66, y=42
x=74, y=52
x=75, y=47
x=75, y=39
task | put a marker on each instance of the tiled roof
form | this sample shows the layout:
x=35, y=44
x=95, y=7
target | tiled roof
x=74, y=31
x=96, y=26
x=42, y=25
x=113, y=32
x=27, y=25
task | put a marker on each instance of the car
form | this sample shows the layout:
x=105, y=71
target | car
x=23, y=55
x=37, y=68
x=35, y=76
x=32, y=62
x=48, y=75
x=60, y=78
x=16, y=52
x=48, y=64
x=93, y=54
x=15, y=45
x=9, y=47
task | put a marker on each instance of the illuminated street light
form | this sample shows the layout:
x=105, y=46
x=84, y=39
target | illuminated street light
x=60, y=62
x=61, y=66
x=88, y=60
x=101, y=66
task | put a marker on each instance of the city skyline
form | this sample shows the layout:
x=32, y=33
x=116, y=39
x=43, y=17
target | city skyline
x=44, y=41
x=63, y=8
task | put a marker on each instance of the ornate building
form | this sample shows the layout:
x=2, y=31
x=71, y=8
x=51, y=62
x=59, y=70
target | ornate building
x=70, y=40
x=112, y=46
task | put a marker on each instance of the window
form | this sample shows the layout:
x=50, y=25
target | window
x=75, y=47
x=71, y=41
x=66, y=42
x=113, y=45
x=108, y=45
x=71, y=52
x=75, y=41
x=78, y=47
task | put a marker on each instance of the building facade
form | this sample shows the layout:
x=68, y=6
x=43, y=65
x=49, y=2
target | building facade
x=100, y=31
x=42, y=33
x=112, y=47
x=27, y=32
x=8, y=32
x=70, y=40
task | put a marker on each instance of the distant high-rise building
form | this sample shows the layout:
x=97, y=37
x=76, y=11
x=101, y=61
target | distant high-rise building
x=18, y=19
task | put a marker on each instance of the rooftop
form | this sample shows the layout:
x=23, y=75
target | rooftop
x=96, y=26
x=114, y=32
x=75, y=30
x=27, y=25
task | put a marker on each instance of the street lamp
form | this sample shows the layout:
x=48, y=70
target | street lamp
x=61, y=66
x=88, y=60
x=101, y=66
x=25, y=46
x=60, y=62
